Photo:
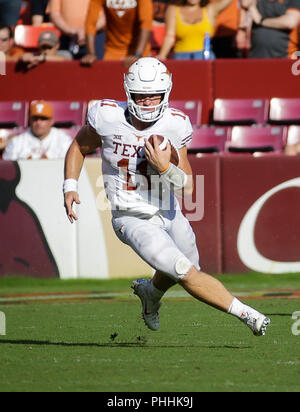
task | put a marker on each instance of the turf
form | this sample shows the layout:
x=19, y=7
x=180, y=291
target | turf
x=102, y=345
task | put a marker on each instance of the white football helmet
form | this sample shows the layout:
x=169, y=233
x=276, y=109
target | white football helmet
x=148, y=76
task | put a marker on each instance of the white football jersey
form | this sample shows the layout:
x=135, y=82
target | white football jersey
x=27, y=146
x=127, y=176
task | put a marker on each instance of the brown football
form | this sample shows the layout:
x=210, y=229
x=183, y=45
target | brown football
x=163, y=144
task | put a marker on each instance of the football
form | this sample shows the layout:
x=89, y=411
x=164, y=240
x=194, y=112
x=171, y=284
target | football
x=163, y=144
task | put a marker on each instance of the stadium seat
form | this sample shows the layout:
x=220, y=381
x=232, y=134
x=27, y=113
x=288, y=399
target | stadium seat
x=240, y=111
x=208, y=140
x=69, y=114
x=28, y=36
x=293, y=136
x=284, y=111
x=193, y=108
x=252, y=139
x=13, y=114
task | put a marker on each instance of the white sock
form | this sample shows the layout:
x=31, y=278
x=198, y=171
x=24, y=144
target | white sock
x=156, y=293
x=239, y=309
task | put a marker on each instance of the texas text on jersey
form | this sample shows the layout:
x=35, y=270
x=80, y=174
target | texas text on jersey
x=130, y=183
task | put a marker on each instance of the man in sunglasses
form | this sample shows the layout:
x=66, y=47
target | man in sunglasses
x=7, y=46
x=42, y=140
x=48, y=51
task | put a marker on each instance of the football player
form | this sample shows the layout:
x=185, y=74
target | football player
x=140, y=181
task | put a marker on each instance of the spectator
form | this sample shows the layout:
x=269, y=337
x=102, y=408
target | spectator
x=128, y=30
x=274, y=27
x=226, y=27
x=38, y=11
x=159, y=11
x=42, y=140
x=12, y=52
x=10, y=12
x=187, y=22
x=48, y=51
x=69, y=17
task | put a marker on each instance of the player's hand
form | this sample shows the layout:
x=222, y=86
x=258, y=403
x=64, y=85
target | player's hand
x=159, y=159
x=70, y=198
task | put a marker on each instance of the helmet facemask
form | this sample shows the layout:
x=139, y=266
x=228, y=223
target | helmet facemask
x=148, y=76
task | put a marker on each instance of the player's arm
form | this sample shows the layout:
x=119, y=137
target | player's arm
x=85, y=142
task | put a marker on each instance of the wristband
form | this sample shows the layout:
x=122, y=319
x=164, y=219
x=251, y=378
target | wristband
x=138, y=54
x=174, y=176
x=165, y=169
x=70, y=185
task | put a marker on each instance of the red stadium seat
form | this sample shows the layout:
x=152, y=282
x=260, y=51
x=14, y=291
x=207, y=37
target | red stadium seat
x=28, y=36
x=293, y=136
x=251, y=139
x=13, y=114
x=284, y=111
x=193, y=108
x=240, y=111
x=69, y=114
x=208, y=140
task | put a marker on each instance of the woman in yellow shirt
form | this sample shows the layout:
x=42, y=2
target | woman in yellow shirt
x=188, y=22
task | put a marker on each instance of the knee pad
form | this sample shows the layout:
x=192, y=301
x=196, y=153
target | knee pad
x=182, y=267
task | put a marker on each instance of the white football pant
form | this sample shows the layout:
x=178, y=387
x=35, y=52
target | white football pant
x=165, y=241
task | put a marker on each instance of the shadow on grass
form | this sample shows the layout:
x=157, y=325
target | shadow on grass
x=137, y=344
x=71, y=344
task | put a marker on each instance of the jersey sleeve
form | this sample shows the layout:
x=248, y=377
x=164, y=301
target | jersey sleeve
x=184, y=129
x=188, y=133
x=103, y=115
x=94, y=9
x=92, y=115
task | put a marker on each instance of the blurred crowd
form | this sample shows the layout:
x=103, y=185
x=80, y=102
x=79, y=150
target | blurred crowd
x=88, y=30
x=33, y=32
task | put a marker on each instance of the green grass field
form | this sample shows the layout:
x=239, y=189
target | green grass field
x=97, y=341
